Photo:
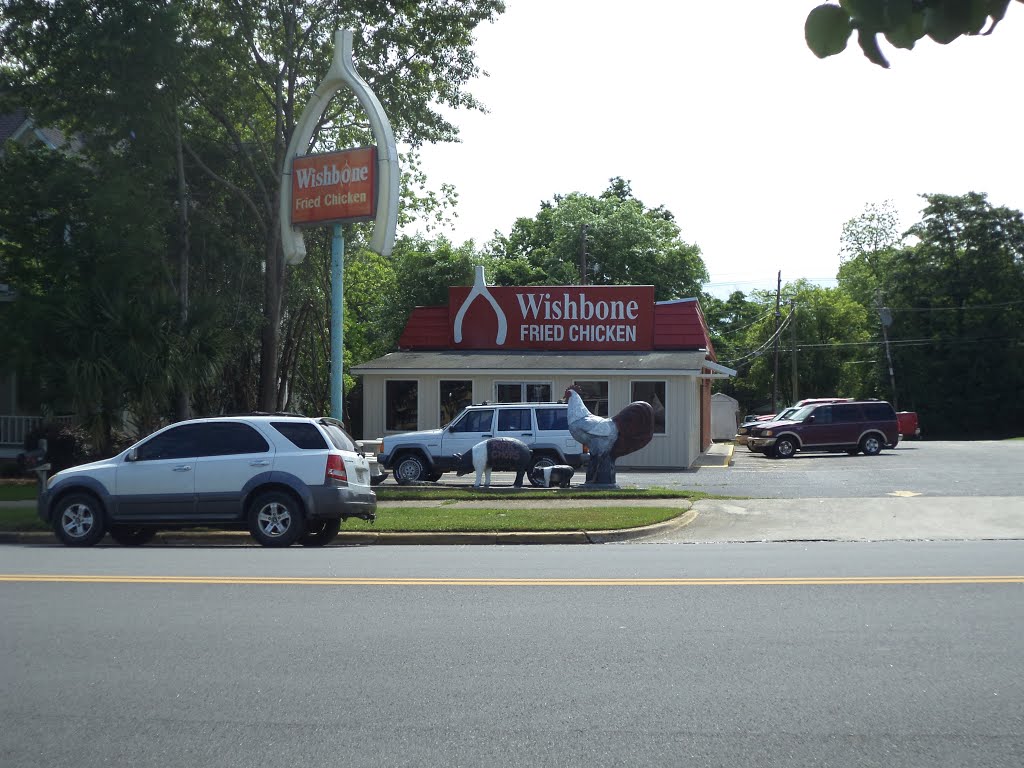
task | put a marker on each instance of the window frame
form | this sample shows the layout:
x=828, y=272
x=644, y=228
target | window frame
x=388, y=400
x=587, y=401
x=522, y=390
x=664, y=403
x=441, y=419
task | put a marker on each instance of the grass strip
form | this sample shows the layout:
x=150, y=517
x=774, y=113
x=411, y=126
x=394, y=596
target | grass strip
x=442, y=493
x=504, y=518
x=21, y=520
x=453, y=519
x=19, y=491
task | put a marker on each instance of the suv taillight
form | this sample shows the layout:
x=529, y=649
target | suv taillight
x=336, y=469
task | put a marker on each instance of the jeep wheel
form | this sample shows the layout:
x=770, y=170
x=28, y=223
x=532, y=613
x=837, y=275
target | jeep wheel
x=321, y=532
x=78, y=521
x=871, y=445
x=276, y=519
x=410, y=469
x=536, y=471
x=784, y=448
x=128, y=536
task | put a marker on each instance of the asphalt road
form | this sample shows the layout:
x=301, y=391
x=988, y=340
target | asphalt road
x=874, y=654
x=941, y=469
x=944, y=469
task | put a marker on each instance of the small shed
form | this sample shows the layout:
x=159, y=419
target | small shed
x=724, y=416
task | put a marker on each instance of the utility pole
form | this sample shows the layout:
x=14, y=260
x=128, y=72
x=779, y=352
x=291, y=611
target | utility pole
x=792, y=344
x=885, y=316
x=584, y=244
x=775, y=375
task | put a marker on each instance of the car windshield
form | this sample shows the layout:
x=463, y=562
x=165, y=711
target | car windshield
x=787, y=414
x=802, y=413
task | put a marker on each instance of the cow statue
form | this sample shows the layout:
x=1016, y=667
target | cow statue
x=558, y=475
x=505, y=454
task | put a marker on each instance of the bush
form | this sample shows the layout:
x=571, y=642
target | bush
x=10, y=469
x=65, y=446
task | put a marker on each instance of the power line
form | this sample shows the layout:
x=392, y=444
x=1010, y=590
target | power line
x=954, y=309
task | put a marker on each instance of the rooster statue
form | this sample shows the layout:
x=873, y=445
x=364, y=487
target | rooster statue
x=606, y=439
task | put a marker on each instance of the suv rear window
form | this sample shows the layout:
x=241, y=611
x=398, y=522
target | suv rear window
x=842, y=414
x=552, y=419
x=301, y=434
x=879, y=411
x=338, y=436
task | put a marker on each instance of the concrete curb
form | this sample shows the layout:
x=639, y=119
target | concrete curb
x=366, y=538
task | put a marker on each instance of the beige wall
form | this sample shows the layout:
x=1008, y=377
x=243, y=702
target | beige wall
x=679, y=447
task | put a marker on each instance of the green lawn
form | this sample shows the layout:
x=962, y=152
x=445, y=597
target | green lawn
x=508, y=518
x=450, y=519
x=503, y=513
x=18, y=491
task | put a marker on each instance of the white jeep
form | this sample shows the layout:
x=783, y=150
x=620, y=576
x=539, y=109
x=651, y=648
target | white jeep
x=427, y=454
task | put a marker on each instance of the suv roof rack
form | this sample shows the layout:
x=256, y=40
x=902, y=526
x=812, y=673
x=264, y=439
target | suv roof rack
x=501, y=402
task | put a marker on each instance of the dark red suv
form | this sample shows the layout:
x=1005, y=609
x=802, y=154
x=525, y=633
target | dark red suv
x=867, y=426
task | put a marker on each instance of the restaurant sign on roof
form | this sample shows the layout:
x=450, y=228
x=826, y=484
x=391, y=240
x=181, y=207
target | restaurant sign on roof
x=568, y=317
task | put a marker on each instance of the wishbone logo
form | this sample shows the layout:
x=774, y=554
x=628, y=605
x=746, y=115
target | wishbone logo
x=480, y=289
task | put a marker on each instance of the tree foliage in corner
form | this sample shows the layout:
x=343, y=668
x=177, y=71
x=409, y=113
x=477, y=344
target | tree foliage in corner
x=901, y=22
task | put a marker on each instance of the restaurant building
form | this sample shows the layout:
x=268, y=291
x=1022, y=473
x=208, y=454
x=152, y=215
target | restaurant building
x=528, y=343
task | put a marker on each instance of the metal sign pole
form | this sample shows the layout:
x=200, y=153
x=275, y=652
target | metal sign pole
x=337, y=320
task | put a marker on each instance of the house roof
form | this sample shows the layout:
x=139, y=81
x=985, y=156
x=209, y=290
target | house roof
x=11, y=124
x=445, y=362
x=17, y=125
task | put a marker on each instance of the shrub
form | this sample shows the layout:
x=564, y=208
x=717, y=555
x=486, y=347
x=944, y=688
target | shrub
x=65, y=446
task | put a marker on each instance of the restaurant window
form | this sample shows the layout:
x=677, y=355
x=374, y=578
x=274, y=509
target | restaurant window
x=594, y=395
x=652, y=392
x=401, y=406
x=455, y=395
x=522, y=392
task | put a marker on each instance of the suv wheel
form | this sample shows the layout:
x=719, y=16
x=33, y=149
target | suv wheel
x=785, y=448
x=535, y=472
x=78, y=521
x=321, y=532
x=871, y=445
x=128, y=536
x=276, y=519
x=410, y=469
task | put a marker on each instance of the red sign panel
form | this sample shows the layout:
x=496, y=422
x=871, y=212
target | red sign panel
x=565, y=317
x=333, y=187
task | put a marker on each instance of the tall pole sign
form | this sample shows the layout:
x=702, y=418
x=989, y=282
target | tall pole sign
x=352, y=185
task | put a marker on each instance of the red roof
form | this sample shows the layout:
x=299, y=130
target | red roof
x=680, y=325
x=427, y=328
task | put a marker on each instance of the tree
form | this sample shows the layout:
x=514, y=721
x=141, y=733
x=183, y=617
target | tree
x=626, y=243
x=222, y=82
x=956, y=302
x=94, y=324
x=902, y=22
x=832, y=337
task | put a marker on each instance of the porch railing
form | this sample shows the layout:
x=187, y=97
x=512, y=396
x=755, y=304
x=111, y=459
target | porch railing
x=14, y=428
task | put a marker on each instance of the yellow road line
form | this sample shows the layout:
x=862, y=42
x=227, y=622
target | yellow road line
x=358, y=581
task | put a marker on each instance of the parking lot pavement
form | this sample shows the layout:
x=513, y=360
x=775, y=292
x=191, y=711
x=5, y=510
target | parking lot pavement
x=836, y=519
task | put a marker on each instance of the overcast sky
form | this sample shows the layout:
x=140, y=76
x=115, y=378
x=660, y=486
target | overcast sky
x=719, y=112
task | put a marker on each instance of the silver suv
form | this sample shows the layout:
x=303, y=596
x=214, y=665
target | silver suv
x=286, y=478
x=427, y=454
